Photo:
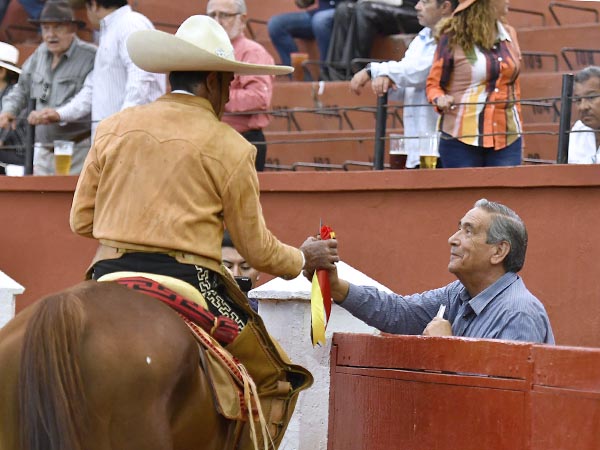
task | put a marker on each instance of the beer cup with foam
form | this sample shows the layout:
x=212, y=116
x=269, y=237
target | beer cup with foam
x=63, y=153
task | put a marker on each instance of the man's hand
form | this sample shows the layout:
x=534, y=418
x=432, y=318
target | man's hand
x=43, y=117
x=444, y=103
x=381, y=85
x=358, y=81
x=8, y=120
x=319, y=254
x=438, y=327
x=328, y=255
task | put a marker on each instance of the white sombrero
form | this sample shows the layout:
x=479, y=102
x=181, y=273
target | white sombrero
x=200, y=44
x=9, y=56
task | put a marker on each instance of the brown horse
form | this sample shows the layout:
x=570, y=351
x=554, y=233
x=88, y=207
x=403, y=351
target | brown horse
x=98, y=367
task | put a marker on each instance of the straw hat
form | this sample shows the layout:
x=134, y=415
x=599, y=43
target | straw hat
x=462, y=5
x=58, y=11
x=200, y=44
x=9, y=56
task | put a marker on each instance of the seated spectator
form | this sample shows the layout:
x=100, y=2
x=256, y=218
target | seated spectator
x=406, y=78
x=51, y=76
x=239, y=266
x=474, y=84
x=246, y=92
x=357, y=23
x=584, y=140
x=489, y=300
x=315, y=23
x=11, y=140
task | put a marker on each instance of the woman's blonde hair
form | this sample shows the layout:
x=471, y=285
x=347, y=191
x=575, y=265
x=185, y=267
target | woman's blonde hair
x=474, y=26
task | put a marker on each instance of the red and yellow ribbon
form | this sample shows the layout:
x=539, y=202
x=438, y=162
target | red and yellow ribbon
x=320, y=297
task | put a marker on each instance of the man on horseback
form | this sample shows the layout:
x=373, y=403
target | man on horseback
x=161, y=179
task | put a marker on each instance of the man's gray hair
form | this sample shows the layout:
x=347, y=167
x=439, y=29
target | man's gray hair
x=507, y=226
x=586, y=74
x=240, y=6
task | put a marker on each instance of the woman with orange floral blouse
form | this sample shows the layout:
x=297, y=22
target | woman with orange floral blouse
x=474, y=85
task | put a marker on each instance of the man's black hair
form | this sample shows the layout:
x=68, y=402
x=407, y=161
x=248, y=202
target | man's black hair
x=186, y=81
x=227, y=242
x=108, y=4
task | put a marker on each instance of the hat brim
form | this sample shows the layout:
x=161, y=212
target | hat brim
x=463, y=6
x=10, y=67
x=80, y=23
x=159, y=52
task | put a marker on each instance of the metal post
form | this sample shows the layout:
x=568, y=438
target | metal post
x=29, y=140
x=566, y=98
x=380, y=123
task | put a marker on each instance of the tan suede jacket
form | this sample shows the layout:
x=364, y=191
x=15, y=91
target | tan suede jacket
x=163, y=177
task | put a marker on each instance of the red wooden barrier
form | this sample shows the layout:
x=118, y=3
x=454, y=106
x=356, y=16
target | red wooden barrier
x=420, y=393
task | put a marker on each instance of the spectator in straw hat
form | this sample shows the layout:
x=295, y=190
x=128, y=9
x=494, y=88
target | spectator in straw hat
x=161, y=179
x=51, y=76
x=11, y=141
x=474, y=84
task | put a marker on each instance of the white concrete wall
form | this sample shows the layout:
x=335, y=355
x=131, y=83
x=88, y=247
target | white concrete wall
x=285, y=308
x=9, y=288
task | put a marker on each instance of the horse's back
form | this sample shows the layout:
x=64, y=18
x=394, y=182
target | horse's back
x=140, y=370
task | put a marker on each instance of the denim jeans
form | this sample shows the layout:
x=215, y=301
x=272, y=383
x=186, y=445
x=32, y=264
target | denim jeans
x=283, y=28
x=455, y=153
x=33, y=8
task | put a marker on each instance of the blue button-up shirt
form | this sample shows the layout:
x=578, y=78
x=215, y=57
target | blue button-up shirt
x=504, y=310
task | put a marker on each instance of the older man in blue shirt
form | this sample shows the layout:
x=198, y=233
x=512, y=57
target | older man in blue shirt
x=489, y=300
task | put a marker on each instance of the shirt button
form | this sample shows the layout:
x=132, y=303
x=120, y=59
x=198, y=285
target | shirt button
x=499, y=58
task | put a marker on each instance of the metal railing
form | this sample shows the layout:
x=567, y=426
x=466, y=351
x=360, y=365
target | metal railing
x=554, y=5
x=385, y=115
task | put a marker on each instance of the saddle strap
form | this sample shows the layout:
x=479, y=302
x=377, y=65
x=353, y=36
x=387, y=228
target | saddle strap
x=249, y=401
x=222, y=328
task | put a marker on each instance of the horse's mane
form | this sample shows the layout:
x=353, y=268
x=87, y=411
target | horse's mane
x=51, y=392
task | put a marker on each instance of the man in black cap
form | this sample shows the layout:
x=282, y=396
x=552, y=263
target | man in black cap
x=53, y=74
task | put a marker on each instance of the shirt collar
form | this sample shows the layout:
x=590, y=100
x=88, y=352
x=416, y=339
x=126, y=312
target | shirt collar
x=194, y=100
x=481, y=300
x=425, y=33
x=181, y=91
x=503, y=34
x=115, y=15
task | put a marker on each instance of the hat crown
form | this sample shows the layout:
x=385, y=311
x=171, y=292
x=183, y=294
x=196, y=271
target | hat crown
x=9, y=53
x=57, y=11
x=207, y=34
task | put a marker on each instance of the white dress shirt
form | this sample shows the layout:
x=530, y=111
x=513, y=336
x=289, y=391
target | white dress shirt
x=116, y=82
x=582, y=145
x=410, y=77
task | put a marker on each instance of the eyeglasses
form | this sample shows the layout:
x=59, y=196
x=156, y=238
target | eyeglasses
x=45, y=93
x=220, y=15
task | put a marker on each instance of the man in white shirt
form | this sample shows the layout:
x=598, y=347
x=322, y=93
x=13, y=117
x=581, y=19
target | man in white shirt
x=407, y=77
x=585, y=134
x=116, y=82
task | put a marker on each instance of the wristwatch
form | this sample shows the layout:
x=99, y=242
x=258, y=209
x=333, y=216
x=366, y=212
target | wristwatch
x=368, y=70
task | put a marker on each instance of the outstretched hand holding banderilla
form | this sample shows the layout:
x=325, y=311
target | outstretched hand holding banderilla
x=328, y=251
